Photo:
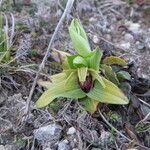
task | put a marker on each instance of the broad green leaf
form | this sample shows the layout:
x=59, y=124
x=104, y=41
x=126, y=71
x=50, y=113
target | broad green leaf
x=110, y=94
x=53, y=80
x=94, y=59
x=90, y=105
x=82, y=74
x=96, y=75
x=109, y=74
x=121, y=75
x=61, y=89
x=79, y=38
x=114, y=60
x=79, y=61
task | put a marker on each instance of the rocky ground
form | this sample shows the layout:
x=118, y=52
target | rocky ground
x=117, y=27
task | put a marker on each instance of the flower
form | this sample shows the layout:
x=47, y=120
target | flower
x=80, y=78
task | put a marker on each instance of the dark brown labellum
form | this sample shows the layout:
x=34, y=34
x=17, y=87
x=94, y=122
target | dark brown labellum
x=86, y=86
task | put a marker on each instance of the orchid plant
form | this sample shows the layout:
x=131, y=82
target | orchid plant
x=81, y=77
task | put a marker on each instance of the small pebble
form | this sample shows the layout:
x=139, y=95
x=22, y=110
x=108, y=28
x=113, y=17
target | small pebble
x=96, y=40
x=125, y=45
x=139, y=45
x=71, y=131
x=128, y=37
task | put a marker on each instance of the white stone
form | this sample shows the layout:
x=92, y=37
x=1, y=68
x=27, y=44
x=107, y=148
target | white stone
x=134, y=27
x=2, y=147
x=125, y=45
x=128, y=37
x=71, y=131
x=64, y=145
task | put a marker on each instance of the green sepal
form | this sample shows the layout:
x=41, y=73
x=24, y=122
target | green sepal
x=94, y=59
x=70, y=61
x=79, y=38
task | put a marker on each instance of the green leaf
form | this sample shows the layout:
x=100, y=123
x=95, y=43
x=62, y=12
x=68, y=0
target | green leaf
x=61, y=89
x=121, y=75
x=109, y=74
x=82, y=74
x=90, y=105
x=79, y=61
x=53, y=79
x=110, y=94
x=79, y=38
x=114, y=60
x=94, y=59
x=45, y=84
x=58, y=77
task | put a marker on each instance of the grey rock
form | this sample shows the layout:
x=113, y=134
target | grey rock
x=105, y=137
x=48, y=135
x=2, y=147
x=140, y=45
x=64, y=145
x=96, y=149
x=14, y=146
x=128, y=37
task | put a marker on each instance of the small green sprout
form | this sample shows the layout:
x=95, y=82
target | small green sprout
x=5, y=38
x=80, y=78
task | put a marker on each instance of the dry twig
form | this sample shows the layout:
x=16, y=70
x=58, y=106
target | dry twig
x=66, y=11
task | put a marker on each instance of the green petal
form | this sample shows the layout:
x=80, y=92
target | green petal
x=79, y=61
x=82, y=73
x=114, y=60
x=61, y=89
x=96, y=75
x=110, y=94
x=89, y=104
x=94, y=59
